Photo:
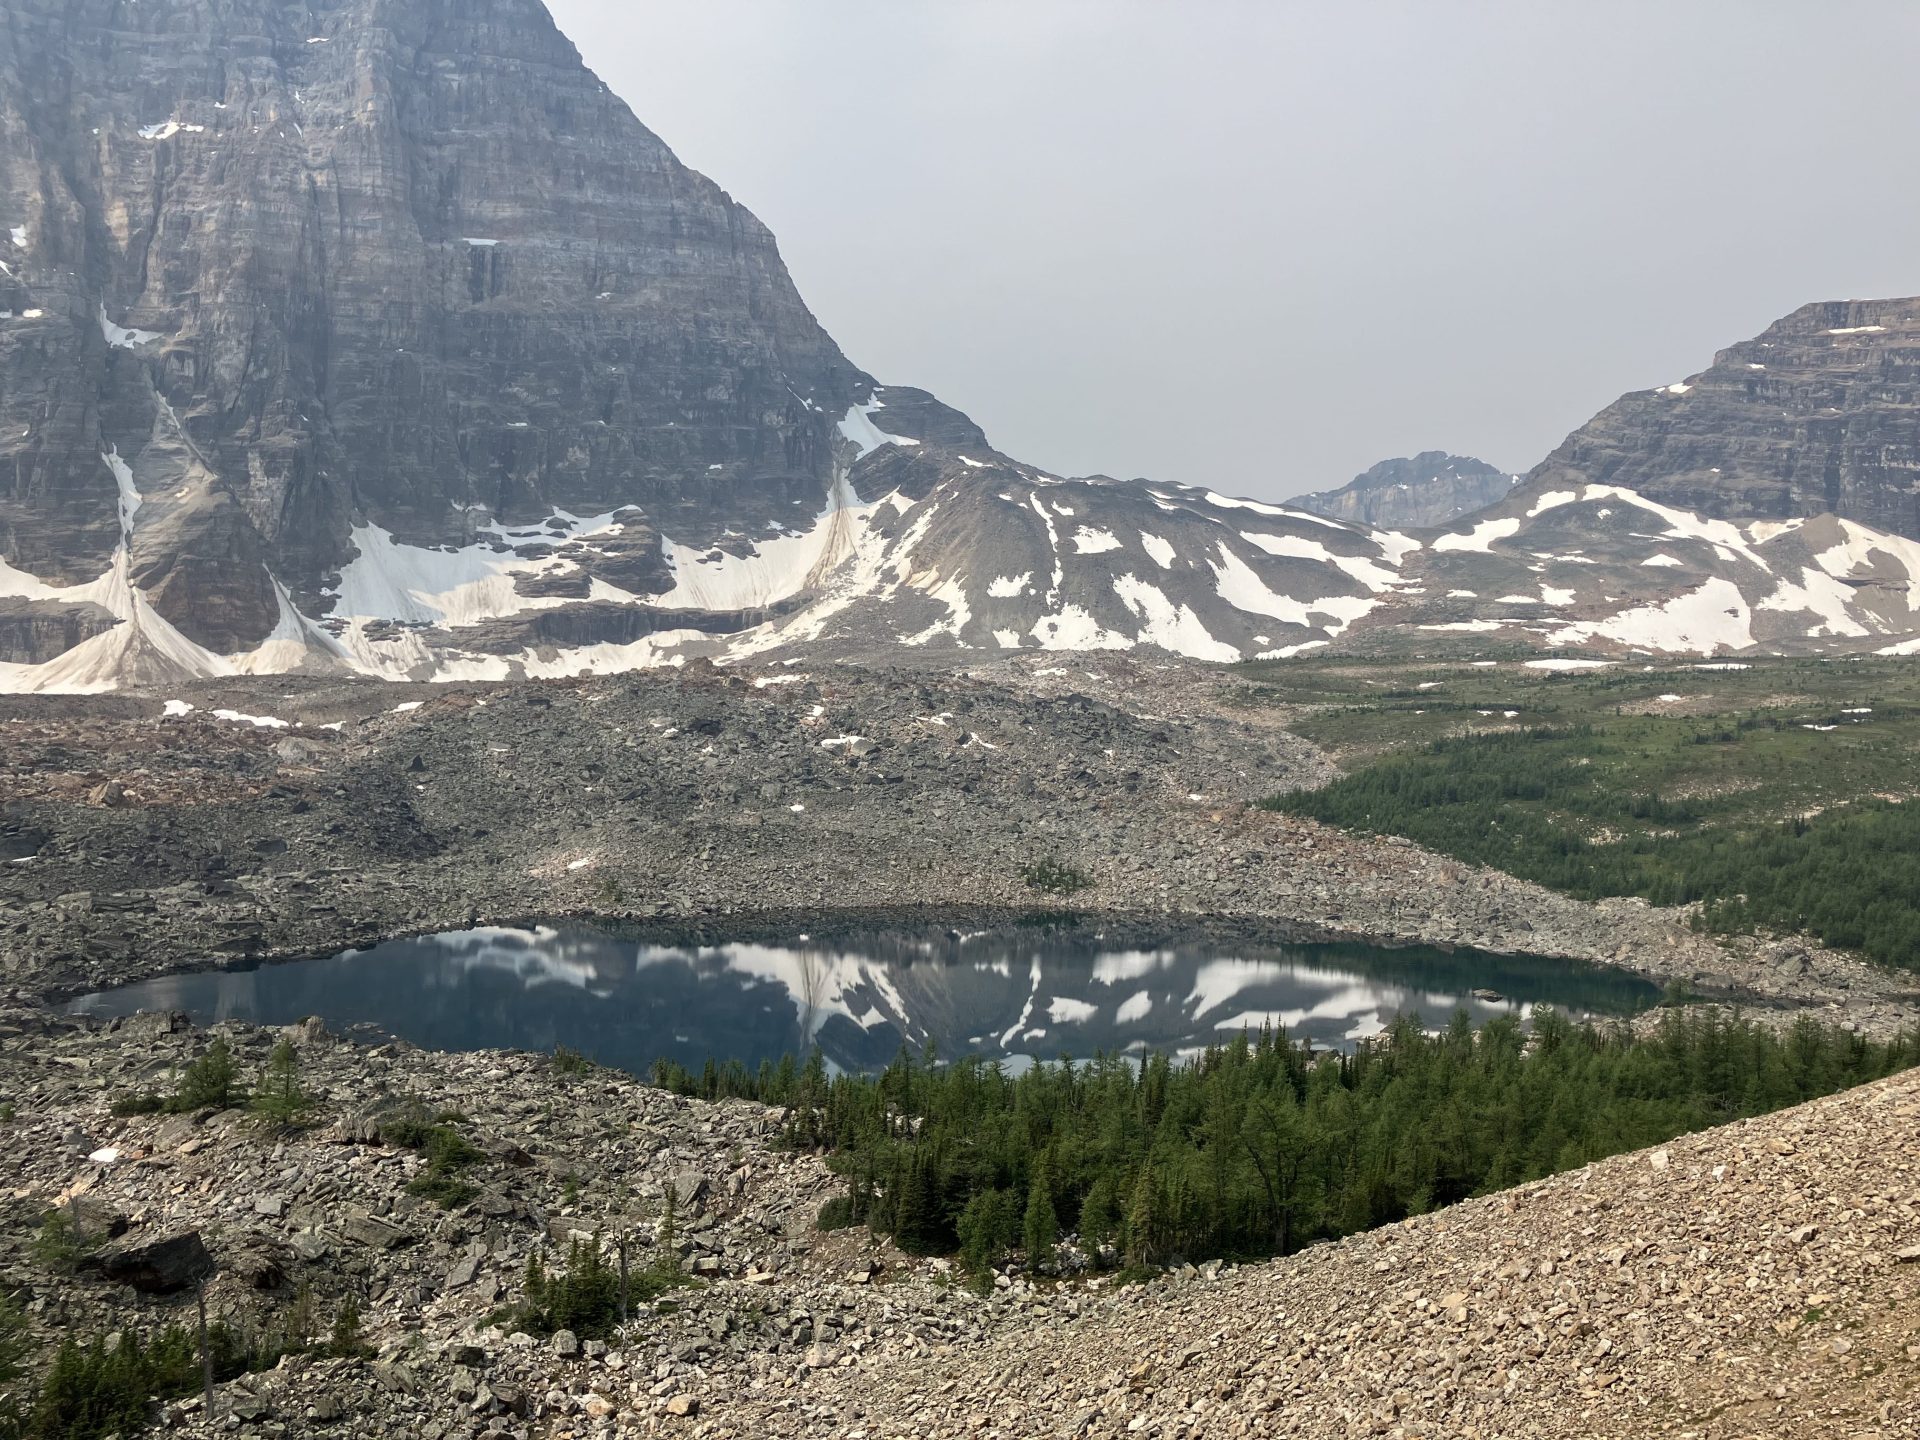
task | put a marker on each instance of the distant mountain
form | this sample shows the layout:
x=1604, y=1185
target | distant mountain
x=1413, y=492
x=1818, y=414
x=1765, y=503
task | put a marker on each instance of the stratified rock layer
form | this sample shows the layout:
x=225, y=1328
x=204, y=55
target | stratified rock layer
x=1819, y=413
x=401, y=260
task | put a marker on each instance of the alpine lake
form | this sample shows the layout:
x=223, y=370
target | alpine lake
x=627, y=996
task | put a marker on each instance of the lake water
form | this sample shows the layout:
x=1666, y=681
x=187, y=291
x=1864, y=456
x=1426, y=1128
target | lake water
x=626, y=998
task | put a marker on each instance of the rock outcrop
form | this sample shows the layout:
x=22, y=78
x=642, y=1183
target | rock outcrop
x=1415, y=492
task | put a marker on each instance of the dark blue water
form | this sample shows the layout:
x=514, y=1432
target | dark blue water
x=626, y=1000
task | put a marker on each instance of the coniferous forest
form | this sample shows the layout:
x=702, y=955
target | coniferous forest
x=1539, y=803
x=1262, y=1146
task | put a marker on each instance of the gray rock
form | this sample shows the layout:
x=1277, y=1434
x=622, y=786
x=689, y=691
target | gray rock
x=376, y=1233
x=161, y=1266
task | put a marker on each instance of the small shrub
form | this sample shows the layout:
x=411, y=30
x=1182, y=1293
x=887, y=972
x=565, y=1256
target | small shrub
x=1054, y=877
x=585, y=1298
x=448, y=1154
x=60, y=1243
x=94, y=1390
x=209, y=1081
x=344, y=1343
x=568, y=1061
x=836, y=1214
x=147, y=1102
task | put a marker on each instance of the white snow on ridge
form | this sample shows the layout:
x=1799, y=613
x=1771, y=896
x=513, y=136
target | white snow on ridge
x=1228, y=502
x=19, y=236
x=390, y=580
x=1158, y=550
x=1481, y=537
x=857, y=425
x=1005, y=587
x=1723, y=535
x=1374, y=576
x=1236, y=582
x=1857, y=551
x=1858, y=330
x=1170, y=626
x=1820, y=594
x=1712, y=618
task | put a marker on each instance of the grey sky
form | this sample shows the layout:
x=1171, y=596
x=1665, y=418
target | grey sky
x=1260, y=246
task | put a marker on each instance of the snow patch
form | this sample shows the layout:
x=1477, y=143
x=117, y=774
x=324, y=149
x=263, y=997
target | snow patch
x=1089, y=541
x=1714, y=617
x=263, y=722
x=1005, y=587
x=1481, y=537
x=122, y=337
x=857, y=425
x=1158, y=550
x=1170, y=626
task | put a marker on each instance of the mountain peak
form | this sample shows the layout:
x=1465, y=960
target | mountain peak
x=1412, y=492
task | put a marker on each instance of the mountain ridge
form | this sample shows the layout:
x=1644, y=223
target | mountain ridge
x=474, y=379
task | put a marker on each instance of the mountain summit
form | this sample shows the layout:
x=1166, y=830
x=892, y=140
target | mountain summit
x=1413, y=492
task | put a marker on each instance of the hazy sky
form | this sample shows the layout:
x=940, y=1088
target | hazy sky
x=1262, y=245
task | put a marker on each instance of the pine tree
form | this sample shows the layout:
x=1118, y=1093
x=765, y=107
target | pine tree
x=1099, y=1215
x=281, y=1098
x=1143, y=1220
x=1041, y=1229
x=208, y=1080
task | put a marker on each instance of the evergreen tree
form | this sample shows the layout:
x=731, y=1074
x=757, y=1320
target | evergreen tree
x=1143, y=1220
x=986, y=1232
x=281, y=1098
x=1041, y=1228
x=209, y=1080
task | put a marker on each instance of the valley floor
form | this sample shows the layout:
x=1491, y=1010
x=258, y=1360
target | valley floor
x=1755, y=1280
x=142, y=841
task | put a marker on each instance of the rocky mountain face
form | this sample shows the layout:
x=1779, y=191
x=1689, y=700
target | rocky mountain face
x=331, y=278
x=1412, y=492
x=1764, y=503
x=378, y=337
x=1815, y=415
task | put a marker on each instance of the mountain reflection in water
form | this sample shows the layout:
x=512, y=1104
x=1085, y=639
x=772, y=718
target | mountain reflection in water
x=1012, y=993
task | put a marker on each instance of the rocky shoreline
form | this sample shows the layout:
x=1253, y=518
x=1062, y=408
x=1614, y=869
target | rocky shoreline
x=139, y=842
